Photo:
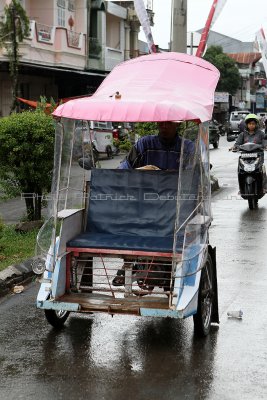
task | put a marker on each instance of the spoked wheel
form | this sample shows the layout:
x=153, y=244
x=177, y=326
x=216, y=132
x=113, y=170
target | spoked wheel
x=56, y=318
x=202, y=319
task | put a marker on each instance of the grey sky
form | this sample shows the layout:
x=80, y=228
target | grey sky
x=239, y=18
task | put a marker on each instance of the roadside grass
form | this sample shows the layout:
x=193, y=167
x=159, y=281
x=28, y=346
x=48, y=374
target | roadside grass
x=15, y=247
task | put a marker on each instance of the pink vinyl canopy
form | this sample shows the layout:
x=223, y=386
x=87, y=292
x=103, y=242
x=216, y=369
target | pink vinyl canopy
x=155, y=87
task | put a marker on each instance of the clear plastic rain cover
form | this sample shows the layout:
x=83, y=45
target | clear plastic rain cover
x=68, y=182
x=190, y=205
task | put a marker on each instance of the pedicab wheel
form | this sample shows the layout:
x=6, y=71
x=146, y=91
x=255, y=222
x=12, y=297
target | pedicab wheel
x=202, y=319
x=56, y=318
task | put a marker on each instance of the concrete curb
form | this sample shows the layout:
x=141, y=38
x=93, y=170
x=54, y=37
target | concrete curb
x=15, y=274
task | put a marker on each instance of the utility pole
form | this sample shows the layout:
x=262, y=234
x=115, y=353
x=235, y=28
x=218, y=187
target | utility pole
x=179, y=26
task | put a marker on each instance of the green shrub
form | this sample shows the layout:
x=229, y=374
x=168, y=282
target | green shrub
x=16, y=247
x=26, y=155
x=1, y=227
x=146, y=128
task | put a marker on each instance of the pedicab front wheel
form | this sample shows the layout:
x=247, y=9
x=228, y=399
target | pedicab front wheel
x=56, y=318
x=202, y=319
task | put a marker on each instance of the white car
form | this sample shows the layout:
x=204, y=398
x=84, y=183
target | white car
x=234, y=121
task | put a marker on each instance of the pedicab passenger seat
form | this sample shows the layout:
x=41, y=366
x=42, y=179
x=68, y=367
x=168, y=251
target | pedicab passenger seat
x=131, y=210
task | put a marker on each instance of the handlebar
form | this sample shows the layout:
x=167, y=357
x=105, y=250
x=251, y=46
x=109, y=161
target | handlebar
x=236, y=149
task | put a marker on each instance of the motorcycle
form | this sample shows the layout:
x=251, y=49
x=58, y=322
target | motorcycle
x=222, y=129
x=251, y=173
x=219, y=126
x=214, y=133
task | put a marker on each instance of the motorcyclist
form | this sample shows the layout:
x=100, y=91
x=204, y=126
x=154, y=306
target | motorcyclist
x=251, y=134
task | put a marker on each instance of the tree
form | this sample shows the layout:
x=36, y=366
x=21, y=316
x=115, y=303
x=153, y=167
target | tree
x=230, y=77
x=26, y=156
x=146, y=128
x=14, y=27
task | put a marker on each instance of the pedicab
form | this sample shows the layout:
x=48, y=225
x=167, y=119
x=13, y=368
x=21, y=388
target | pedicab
x=153, y=222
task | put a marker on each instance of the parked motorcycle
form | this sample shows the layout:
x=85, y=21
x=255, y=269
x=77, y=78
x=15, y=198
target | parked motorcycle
x=222, y=129
x=251, y=173
x=214, y=133
x=219, y=126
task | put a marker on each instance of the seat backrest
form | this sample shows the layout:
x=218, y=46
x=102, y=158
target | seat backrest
x=133, y=202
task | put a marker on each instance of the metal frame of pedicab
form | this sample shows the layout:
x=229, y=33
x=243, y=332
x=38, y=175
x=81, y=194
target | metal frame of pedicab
x=181, y=298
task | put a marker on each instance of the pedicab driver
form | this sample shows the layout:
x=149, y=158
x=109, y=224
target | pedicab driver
x=160, y=151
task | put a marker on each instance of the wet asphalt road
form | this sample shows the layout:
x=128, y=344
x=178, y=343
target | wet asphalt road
x=98, y=357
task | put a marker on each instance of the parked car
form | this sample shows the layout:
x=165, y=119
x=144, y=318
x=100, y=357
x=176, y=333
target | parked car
x=262, y=115
x=234, y=121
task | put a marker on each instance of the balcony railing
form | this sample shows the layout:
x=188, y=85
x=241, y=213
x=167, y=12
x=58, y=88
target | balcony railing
x=74, y=39
x=46, y=34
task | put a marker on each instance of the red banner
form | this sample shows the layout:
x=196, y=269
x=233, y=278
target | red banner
x=215, y=10
x=260, y=35
x=144, y=20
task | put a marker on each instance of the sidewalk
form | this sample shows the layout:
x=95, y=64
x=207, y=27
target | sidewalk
x=13, y=210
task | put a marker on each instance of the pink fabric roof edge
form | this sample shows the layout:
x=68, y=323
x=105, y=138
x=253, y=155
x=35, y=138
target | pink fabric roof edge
x=156, y=87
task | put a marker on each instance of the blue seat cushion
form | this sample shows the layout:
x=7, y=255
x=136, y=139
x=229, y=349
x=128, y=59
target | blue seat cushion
x=133, y=210
x=123, y=242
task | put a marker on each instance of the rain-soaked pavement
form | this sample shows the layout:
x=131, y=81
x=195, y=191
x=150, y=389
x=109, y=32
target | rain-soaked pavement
x=102, y=358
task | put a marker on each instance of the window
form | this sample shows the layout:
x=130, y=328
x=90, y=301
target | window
x=71, y=5
x=61, y=3
x=113, y=32
x=61, y=17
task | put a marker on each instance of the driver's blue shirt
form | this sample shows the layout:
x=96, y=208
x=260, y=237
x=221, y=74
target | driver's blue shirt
x=153, y=150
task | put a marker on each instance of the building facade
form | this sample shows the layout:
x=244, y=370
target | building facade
x=72, y=46
x=252, y=75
